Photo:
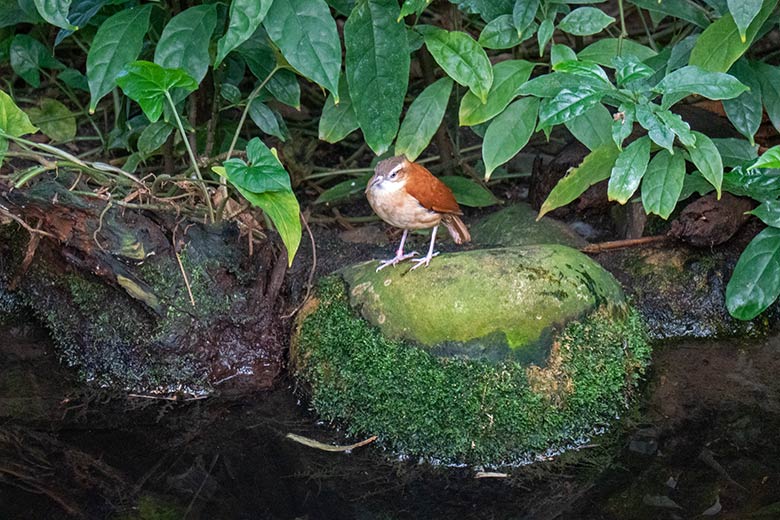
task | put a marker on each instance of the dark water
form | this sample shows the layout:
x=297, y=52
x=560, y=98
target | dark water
x=704, y=439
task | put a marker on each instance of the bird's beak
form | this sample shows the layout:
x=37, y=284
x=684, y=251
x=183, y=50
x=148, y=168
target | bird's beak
x=374, y=181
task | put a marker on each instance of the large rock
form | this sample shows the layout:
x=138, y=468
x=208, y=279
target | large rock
x=484, y=357
x=516, y=225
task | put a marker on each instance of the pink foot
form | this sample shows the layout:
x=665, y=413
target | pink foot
x=395, y=260
x=426, y=260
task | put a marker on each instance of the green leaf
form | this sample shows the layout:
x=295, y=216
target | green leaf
x=284, y=211
x=760, y=184
x=262, y=173
x=74, y=79
x=461, y=58
x=54, y=119
x=184, y=43
x=377, y=69
x=306, y=34
x=586, y=69
x=593, y=128
x=567, y=105
x=680, y=128
x=344, y=190
x=500, y=33
x=629, y=68
x=682, y=9
x=743, y=12
x=755, y=283
x=735, y=152
x=13, y=121
x=662, y=183
x=79, y=15
x=153, y=137
x=768, y=159
x=245, y=17
x=768, y=212
x=706, y=157
x=746, y=110
x=661, y=134
x=508, y=76
x=694, y=80
x=508, y=133
x=596, y=167
x=415, y=7
x=338, y=121
x=523, y=14
x=544, y=34
x=628, y=171
x=469, y=192
x=769, y=77
x=694, y=183
x=55, y=12
x=605, y=50
x=117, y=43
x=423, y=119
x=720, y=45
x=147, y=84
x=585, y=21
x=268, y=120
x=560, y=53
x=28, y=57
x=487, y=9
x=261, y=60
x=550, y=85
x=623, y=124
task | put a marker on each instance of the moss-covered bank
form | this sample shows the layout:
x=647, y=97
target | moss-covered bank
x=459, y=410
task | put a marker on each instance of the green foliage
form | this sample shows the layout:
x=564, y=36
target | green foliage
x=423, y=119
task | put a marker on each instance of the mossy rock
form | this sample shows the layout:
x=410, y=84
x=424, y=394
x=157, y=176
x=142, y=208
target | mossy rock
x=516, y=225
x=462, y=402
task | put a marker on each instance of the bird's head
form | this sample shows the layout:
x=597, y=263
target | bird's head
x=389, y=174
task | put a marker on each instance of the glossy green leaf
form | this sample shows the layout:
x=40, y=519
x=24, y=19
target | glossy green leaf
x=81, y=12
x=662, y=183
x=377, y=69
x=743, y=12
x=500, y=33
x=682, y=9
x=550, y=85
x=603, y=51
x=769, y=213
x=338, y=121
x=586, y=69
x=628, y=69
x=13, y=12
x=245, y=17
x=560, y=53
x=461, y=58
x=55, y=12
x=694, y=80
x=769, y=77
x=736, y=152
x=28, y=56
x=761, y=184
x=261, y=173
x=720, y=45
x=694, y=183
x=261, y=60
x=567, y=105
x=593, y=128
x=746, y=110
x=184, y=43
x=523, y=14
x=508, y=76
x=628, y=171
x=268, y=120
x=508, y=133
x=706, y=157
x=596, y=167
x=468, y=192
x=623, y=124
x=423, y=119
x=153, y=137
x=544, y=34
x=13, y=121
x=585, y=21
x=147, y=84
x=306, y=34
x=487, y=9
x=344, y=190
x=284, y=211
x=415, y=7
x=661, y=134
x=74, y=79
x=680, y=128
x=755, y=283
x=768, y=159
x=54, y=119
x=117, y=43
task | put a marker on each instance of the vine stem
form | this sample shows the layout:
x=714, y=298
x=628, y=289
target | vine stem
x=623, y=32
x=252, y=96
x=192, y=156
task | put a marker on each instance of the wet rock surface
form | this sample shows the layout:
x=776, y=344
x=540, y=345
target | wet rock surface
x=516, y=225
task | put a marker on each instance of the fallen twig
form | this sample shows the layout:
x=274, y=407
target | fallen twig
x=311, y=443
x=620, y=244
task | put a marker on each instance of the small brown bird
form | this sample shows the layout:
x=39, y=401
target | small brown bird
x=406, y=195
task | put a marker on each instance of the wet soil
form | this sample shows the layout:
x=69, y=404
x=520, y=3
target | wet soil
x=702, y=438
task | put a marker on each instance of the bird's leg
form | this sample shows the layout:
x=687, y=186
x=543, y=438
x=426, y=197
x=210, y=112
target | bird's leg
x=399, y=254
x=427, y=258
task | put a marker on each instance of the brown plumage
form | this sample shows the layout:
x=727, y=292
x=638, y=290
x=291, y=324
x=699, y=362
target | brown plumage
x=406, y=195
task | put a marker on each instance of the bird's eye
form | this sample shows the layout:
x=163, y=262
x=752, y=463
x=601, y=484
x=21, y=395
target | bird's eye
x=394, y=175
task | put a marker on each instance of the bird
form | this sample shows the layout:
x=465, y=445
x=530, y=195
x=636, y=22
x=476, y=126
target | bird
x=406, y=195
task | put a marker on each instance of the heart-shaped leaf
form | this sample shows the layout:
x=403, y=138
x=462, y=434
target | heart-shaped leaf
x=147, y=84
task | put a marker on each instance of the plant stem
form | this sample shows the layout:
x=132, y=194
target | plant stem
x=244, y=113
x=186, y=141
x=623, y=32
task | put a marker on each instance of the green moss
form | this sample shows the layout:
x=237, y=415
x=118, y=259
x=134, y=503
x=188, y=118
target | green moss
x=459, y=410
x=152, y=508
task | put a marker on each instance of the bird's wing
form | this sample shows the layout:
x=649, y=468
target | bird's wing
x=429, y=191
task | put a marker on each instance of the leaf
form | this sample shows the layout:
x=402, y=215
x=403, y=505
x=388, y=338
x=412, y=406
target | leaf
x=268, y=120
x=284, y=211
x=623, y=124
x=605, y=50
x=469, y=192
x=682, y=9
x=377, y=69
x=693, y=80
x=344, y=190
x=586, y=69
x=694, y=183
x=662, y=183
x=760, y=185
x=184, y=43
x=54, y=119
x=261, y=60
x=550, y=85
x=487, y=9
x=680, y=128
x=628, y=69
x=628, y=171
x=461, y=58
x=755, y=283
x=769, y=77
x=508, y=76
x=743, y=12
x=245, y=17
x=544, y=34
x=735, y=152
x=13, y=121
x=415, y=7
x=147, y=84
x=720, y=45
x=306, y=34
x=768, y=212
x=337, y=121
x=746, y=110
x=500, y=33
x=706, y=157
x=153, y=137
x=593, y=128
x=567, y=105
x=508, y=133
x=596, y=167
x=423, y=119
x=55, y=12
x=560, y=53
x=28, y=56
x=81, y=12
x=656, y=128
x=74, y=79
x=117, y=42
x=523, y=14
x=768, y=159
x=585, y=21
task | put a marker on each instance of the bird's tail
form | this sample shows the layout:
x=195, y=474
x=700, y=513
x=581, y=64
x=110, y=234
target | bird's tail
x=456, y=227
